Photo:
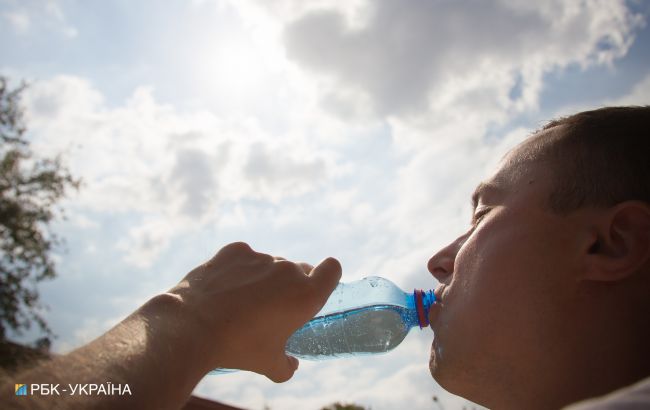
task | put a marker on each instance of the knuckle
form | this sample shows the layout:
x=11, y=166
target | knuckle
x=235, y=249
x=238, y=247
x=239, y=252
x=232, y=251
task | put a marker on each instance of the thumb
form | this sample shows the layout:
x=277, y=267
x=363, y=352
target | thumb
x=283, y=369
x=326, y=276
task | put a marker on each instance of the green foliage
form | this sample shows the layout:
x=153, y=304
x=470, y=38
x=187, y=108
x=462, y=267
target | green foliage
x=344, y=406
x=30, y=187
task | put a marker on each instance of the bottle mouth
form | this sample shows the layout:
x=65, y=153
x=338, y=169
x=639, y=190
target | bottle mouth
x=423, y=301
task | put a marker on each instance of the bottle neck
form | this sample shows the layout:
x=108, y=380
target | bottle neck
x=419, y=302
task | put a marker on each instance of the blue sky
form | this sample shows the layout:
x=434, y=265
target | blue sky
x=308, y=129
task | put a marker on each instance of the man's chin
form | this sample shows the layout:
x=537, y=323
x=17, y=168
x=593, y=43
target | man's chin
x=439, y=367
x=434, y=361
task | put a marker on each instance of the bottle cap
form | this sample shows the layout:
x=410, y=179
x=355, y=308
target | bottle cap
x=423, y=300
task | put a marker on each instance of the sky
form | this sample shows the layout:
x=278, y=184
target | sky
x=353, y=129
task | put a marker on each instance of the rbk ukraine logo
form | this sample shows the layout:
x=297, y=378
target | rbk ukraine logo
x=21, y=390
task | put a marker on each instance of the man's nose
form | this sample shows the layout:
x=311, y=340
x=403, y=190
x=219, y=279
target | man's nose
x=441, y=265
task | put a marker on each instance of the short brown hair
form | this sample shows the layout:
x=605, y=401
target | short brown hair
x=599, y=157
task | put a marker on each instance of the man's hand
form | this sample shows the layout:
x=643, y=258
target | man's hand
x=235, y=311
x=247, y=304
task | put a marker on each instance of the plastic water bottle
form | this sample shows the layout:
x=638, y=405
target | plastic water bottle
x=368, y=316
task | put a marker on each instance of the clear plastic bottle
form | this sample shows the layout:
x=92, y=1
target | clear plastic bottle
x=364, y=317
x=368, y=316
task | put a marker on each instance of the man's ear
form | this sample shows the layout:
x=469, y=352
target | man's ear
x=620, y=244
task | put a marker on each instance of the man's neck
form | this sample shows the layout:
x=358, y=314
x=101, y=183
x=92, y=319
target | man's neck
x=605, y=348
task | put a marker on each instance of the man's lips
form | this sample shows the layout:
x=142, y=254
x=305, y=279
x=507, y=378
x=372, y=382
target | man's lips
x=438, y=292
x=434, y=310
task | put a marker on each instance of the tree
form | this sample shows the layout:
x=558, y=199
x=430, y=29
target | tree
x=30, y=188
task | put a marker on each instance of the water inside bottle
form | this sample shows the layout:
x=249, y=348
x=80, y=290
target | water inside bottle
x=367, y=330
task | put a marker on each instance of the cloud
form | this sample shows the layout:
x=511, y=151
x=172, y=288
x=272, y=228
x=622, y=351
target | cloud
x=639, y=95
x=172, y=171
x=456, y=55
x=63, y=98
x=145, y=241
x=39, y=15
x=18, y=19
x=275, y=172
x=194, y=176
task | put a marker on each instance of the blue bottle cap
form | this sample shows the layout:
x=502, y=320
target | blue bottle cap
x=423, y=300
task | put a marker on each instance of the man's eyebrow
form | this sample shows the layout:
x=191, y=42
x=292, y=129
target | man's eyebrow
x=481, y=190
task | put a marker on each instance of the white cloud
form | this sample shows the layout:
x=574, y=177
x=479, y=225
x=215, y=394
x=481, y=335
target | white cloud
x=285, y=11
x=146, y=241
x=457, y=56
x=175, y=169
x=639, y=95
x=193, y=175
x=61, y=99
x=28, y=15
x=276, y=172
x=18, y=19
x=55, y=12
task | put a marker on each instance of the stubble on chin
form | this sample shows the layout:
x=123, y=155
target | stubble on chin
x=433, y=361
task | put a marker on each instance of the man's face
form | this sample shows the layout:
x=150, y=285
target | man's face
x=503, y=284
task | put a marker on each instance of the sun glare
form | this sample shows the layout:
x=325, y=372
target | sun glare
x=234, y=69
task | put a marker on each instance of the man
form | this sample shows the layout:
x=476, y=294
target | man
x=542, y=303
x=546, y=299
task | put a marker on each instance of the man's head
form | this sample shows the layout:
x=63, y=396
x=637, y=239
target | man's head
x=601, y=157
x=546, y=298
